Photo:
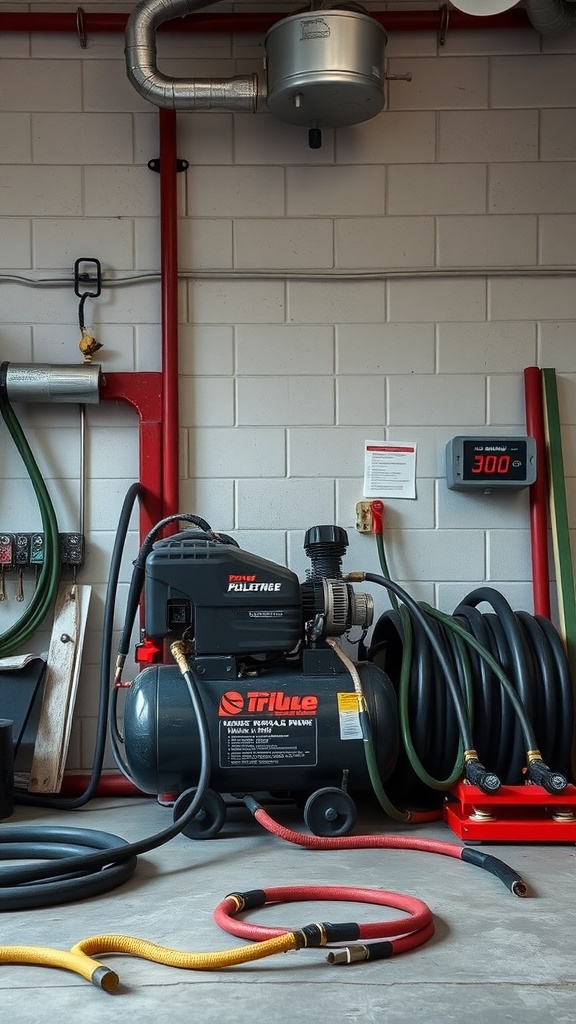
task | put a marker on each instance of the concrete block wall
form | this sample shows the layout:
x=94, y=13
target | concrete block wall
x=286, y=371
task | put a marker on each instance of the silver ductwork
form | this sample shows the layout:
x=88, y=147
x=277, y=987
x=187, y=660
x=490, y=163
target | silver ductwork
x=233, y=94
x=43, y=382
x=551, y=17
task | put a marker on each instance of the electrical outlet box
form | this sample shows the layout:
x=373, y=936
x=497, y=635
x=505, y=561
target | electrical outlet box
x=364, y=516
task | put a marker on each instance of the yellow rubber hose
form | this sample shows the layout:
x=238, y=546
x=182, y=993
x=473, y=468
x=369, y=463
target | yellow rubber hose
x=79, y=958
x=46, y=956
x=187, y=961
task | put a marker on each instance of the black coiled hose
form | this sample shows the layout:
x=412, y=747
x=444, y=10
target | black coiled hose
x=529, y=652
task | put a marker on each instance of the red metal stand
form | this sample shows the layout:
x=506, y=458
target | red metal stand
x=515, y=814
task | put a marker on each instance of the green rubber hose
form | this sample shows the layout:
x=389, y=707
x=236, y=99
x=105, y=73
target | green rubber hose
x=45, y=592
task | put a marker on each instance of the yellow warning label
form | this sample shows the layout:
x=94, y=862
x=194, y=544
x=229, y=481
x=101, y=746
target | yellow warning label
x=347, y=701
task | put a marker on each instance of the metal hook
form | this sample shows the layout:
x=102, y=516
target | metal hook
x=80, y=28
x=82, y=276
x=444, y=24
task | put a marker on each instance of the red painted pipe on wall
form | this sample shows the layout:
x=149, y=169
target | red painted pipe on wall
x=169, y=288
x=393, y=21
x=538, y=492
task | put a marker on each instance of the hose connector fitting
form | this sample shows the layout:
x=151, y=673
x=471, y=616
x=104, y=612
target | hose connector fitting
x=541, y=775
x=357, y=576
x=179, y=652
x=120, y=662
x=477, y=775
x=349, y=955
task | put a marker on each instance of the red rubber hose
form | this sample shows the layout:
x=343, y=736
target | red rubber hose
x=409, y=932
x=357, y=842
x=510, y=878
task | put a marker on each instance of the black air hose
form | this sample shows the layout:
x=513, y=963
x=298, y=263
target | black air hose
x=69, y=872
x=520, y=695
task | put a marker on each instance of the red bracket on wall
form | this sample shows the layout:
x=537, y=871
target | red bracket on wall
x=143, y=391
x=516, y=814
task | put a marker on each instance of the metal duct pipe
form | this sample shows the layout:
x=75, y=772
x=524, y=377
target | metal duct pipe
x=550, y=17
x=41, y=382
x=234, y=94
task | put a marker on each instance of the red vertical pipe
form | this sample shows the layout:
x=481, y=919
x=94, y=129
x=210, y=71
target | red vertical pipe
x=169, y=294
x=538, y=492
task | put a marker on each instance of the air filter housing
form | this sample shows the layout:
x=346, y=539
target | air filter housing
x=325, y=68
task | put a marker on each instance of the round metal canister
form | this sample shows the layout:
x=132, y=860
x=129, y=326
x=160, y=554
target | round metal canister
x=325, y=68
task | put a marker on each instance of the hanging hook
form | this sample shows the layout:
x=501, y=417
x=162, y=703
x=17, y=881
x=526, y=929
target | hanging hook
x=444, y=24
x=85, y=278
x=80, y=28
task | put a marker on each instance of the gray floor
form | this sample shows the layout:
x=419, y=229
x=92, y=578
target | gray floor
x=494, y=958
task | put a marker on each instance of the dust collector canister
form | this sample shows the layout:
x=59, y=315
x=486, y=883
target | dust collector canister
x=325, y=68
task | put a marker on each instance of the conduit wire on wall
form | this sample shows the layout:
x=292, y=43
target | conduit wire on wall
x=305, y=275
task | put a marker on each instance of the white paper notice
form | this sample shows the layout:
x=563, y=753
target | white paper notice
x=389, y=469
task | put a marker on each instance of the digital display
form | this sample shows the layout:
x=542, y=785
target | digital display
x=490, y=461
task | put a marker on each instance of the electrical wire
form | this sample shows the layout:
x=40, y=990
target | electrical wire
x=391, y=273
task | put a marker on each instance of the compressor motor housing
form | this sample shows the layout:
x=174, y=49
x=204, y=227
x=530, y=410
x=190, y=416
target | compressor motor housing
x=281, y=706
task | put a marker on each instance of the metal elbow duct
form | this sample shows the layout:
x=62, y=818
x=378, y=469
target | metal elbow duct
x=239, y=93
x=551, y=17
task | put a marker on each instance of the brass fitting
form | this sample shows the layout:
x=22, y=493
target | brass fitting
x=357, y=576
x=179, y=652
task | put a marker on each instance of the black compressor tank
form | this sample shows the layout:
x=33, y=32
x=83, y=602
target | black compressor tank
x=289, y=729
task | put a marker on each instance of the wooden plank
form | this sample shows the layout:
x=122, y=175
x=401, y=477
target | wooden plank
x=62, y=674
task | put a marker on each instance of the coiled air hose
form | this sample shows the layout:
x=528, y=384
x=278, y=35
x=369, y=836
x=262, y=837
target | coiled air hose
x=67, y=872
x=512, y=686
x=47, y=586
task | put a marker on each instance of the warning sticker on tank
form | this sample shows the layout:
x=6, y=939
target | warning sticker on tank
x=348, y=713
x=268, y=742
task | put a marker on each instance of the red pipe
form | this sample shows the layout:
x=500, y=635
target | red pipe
x=75, y=784
x=169, y=287
x=538, y=493
x=143, y=391
x=393, y=21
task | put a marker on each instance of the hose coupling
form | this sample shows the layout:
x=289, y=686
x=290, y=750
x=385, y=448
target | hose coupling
x=357, y=576
x=104, y=978
x=120, y=662
x=179, y=651
x=349, y=955
x=540, y=774
x=477, y=775
x=357, y=953
x=311, y=936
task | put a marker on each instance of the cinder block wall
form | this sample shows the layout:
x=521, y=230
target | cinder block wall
x=472, y=166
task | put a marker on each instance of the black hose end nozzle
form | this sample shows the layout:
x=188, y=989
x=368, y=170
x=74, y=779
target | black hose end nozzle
x=541, y=775
x=477, y=775
x=252, y=804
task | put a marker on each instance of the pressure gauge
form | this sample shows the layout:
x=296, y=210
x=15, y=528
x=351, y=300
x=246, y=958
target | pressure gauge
x=490, y=463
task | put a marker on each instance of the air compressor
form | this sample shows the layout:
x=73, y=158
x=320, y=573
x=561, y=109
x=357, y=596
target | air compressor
x=280, y=700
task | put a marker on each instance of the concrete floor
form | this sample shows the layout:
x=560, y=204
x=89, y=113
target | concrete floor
x=494, y=958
